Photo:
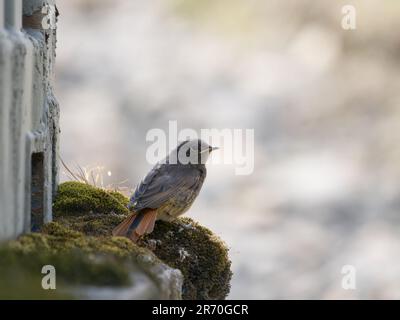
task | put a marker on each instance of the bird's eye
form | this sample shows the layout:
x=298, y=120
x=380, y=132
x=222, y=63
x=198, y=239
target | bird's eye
x=188, y=153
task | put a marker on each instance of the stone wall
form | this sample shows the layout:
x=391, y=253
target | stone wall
x=29, y=115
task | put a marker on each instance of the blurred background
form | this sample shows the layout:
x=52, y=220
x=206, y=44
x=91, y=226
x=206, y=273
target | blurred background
x=323, y=101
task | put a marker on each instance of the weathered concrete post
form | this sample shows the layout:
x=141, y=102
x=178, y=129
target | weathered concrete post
x=28, y=115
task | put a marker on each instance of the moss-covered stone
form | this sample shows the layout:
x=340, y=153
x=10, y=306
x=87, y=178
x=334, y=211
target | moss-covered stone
x=81, y=260
x=92, y=224
x=183, y=244
x=77, y=258
x=21, y=276
x=68, y=253
x=200, y=255
x=75, y=198
x=79, y=244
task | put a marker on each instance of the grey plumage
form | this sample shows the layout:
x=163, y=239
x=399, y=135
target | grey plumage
x=171, y=188
x=168, y=190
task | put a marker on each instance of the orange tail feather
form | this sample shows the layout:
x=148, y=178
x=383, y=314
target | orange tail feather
x=123, y=227
x=144, y=224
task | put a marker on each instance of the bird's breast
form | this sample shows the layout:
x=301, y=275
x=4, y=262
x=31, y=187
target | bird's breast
x=177, y=205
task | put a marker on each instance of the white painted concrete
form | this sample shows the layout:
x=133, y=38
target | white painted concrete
x=28, y=119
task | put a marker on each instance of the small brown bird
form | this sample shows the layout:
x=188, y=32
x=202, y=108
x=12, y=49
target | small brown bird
x=168, y=190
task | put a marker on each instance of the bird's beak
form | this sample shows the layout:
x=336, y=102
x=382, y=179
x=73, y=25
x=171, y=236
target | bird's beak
x=209, y=149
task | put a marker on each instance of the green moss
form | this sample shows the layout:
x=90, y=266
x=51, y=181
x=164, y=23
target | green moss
x=79, y=260
x=21, y=270
x=197, y=252
x=120, y=197
x=92, y=224
x=60, y=237
x=64, y=234
x=21, y=277
x=75, y=198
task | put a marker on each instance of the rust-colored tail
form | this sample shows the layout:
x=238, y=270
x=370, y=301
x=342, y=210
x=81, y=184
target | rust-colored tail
x=136, y=225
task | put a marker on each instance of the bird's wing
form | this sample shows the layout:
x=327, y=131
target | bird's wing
x=161, y=183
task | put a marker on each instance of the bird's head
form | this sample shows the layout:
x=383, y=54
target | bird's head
x=192, y=152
